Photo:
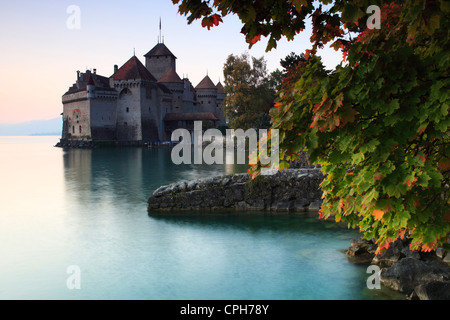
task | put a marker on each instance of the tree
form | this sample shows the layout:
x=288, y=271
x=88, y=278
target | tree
x=291, y=61
x=378, y=124
x=248, y=90
x=275, y=80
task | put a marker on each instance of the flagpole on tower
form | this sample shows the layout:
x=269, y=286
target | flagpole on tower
x=159, y=30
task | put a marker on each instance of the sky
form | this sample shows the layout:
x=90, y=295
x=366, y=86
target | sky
x=44, y=43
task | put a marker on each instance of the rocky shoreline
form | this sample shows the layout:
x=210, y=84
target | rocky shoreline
x=420, y=276
x=293, y=190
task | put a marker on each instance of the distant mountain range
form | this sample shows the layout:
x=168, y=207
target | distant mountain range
x=32, y=128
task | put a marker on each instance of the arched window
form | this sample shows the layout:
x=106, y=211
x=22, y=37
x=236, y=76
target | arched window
x=124, y=92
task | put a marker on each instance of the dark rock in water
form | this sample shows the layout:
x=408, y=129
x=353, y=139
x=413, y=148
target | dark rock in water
x=423, y=276
x=287, y=191
x=434, y=290
x=361, y=250
x=408, y=273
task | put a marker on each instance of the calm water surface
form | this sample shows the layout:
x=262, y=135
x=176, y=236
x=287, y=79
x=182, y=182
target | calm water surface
x=87, y=208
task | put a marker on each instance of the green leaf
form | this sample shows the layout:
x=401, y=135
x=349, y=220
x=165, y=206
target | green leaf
x=350, y=13
x=358, y=157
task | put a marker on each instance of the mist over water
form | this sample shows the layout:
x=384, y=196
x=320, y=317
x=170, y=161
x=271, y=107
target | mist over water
x=87, y=208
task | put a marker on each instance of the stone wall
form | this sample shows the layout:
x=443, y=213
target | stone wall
x=293, y=190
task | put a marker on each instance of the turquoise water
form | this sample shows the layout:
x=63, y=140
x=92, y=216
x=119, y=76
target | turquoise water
x=87, y=208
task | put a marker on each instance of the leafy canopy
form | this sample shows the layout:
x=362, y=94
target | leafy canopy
x=250, y=92
x=378, y=123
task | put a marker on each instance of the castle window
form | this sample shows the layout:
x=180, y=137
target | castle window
x=125, y=91
x=148, y=93
x=80, y=129
x=128, y=109
x=125, y=124
x=73, y=129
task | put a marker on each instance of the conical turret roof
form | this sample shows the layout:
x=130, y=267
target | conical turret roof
x=206, y=83
x=159, y=50
x=170, y=77
x=220, y=89
x=133, y=69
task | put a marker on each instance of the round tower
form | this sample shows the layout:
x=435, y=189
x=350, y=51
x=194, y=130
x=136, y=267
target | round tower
x=90, y=88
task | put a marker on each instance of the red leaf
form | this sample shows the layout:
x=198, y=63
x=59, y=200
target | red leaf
x=216, y=19
x=256, y=39
x=410, y=183
x=378, y=177
x=444, y=165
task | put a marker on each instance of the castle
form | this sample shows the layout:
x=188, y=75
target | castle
x=139, y=104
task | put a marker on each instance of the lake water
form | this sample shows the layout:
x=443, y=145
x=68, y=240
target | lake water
x=87, y=208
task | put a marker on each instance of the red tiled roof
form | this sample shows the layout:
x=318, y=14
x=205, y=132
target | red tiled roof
x=170, y=77
x=190, y=117
x=206, y=83
x=159, y=50
x=133, y=69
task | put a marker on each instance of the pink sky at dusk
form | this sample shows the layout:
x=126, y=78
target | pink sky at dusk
x=39, y=54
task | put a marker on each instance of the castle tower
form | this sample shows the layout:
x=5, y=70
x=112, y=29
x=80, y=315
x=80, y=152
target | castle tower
x=173, y=82
x=220, y=100
x=90, y=88
x=137, y=115
x=159, y=60
x=206, y=96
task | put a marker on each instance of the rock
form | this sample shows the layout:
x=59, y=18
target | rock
x=447, y=258
x=315, y=206
x=434, y=290
x=409, y=273
x=288, y=191
x=283, y=206
x=396, y=251
x=440, y=252
x=361, y=250
x=301, y=205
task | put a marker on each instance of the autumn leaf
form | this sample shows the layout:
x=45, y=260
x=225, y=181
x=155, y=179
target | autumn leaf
x=378, y=214
x=255, y=39
x=429, y=246
x=378, y=177
x=216, y=19
x=444, y=165
x=409, y=182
